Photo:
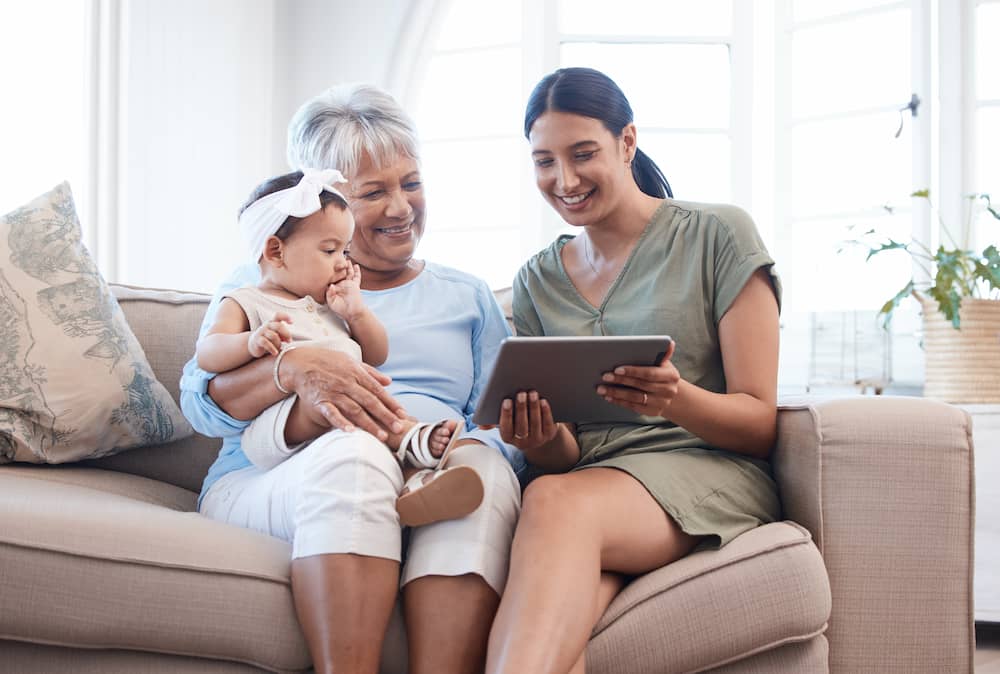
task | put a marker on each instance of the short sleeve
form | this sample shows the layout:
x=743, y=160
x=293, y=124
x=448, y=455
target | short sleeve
x=201, y=411
x=739, y=252
x=486, y=340
x=526, y=320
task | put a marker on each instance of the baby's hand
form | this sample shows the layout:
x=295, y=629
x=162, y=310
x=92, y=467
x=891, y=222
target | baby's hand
x=268, y=337
x=344, y=296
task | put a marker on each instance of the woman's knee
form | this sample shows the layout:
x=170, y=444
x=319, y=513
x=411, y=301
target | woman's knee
x=501, y=489
x=554, y=497
x=347, y=503
x=357, y=461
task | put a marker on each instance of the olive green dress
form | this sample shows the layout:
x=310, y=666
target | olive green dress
x=684, y=273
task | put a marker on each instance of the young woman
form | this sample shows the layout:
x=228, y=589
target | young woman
x=624, y=499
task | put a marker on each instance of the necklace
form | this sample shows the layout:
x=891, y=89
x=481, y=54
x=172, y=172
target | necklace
x=586, y=255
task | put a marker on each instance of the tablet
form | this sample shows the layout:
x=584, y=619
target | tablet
x=566, y=371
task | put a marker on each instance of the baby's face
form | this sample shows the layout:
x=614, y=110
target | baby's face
x=315, y=255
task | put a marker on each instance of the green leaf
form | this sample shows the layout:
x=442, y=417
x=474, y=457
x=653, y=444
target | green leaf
x=892, y=245
x=988, y=269
x=891, y=305
x=989, y=206
x=924, y=194
x=949, y=302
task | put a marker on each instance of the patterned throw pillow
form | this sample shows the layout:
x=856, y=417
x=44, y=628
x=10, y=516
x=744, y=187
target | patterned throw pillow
x=74, y=381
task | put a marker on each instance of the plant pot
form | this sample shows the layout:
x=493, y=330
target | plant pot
x=963, y=366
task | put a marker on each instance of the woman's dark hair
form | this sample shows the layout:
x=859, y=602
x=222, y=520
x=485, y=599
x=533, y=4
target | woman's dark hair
x=588, y=92
x=283, y=182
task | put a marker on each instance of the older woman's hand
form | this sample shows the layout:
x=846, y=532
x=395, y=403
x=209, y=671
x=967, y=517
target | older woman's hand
x=647, y=390
x=341, y=392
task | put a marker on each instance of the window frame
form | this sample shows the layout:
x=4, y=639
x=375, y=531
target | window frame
x=943, y=147
x=540, y=45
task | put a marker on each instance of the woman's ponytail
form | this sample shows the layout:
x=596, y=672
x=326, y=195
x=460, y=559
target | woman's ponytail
x=649, y=177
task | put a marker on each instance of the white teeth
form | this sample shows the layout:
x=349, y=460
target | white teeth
x=575, y=200
x=394, y=230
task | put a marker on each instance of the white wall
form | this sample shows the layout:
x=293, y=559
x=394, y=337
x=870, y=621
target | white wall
x=197, y=122
x=209, y=87
x=319, y=43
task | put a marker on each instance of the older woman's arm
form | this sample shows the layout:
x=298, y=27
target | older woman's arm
x=335, y=390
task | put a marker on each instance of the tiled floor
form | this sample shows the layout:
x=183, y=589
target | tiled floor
x=988, y=648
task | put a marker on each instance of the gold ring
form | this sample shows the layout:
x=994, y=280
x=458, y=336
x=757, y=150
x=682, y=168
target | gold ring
x=520, y=437
x=645, y=397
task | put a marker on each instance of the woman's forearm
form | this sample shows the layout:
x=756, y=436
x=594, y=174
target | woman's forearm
x=737, y=422
x=557, y=455
x=247, y=391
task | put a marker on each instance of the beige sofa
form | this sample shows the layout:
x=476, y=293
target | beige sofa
x=107, y=567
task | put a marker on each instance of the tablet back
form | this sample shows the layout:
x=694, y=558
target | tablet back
x=566, y=371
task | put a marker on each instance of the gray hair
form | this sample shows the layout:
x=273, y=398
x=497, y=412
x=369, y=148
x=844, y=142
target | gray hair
x=337, y=127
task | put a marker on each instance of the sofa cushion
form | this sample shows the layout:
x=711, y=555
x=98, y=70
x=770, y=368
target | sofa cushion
x=74, y=381
x=166, y=322
x=767, y=588
x=99, y=559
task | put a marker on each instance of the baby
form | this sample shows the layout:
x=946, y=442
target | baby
x=298, y=228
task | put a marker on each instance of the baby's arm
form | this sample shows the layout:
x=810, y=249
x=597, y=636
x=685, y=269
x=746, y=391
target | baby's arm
x=344, y=299
x=299, y=427
x=369, y=332
x=228, y=344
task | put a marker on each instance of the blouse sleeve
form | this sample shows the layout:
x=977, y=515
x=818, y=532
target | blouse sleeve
x=526, y=320
x=491, y=331
x=200, y=410
x=486, y=339
x=739, y=252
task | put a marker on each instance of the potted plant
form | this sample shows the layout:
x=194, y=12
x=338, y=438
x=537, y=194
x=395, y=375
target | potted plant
x=960, y=306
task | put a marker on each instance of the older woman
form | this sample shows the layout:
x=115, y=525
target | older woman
x=334, y=500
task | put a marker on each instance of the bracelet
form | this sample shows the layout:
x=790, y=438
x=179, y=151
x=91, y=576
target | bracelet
x=277, y=363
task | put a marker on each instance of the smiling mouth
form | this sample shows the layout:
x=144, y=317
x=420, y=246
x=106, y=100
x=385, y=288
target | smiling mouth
x=576, y=198
x=398, y=229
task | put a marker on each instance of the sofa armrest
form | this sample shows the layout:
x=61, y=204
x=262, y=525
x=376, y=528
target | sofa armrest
x=885, y=485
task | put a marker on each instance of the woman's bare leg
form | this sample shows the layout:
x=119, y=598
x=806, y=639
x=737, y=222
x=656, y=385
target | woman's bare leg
x=611, y=585
x=572, y=527
x=343, y=602
x=448, y=621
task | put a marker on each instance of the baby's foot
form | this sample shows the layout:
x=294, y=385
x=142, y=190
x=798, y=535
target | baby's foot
x=438, y=436
x=436, y=495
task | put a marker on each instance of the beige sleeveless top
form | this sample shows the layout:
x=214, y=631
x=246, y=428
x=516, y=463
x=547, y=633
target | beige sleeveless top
x=311, y=322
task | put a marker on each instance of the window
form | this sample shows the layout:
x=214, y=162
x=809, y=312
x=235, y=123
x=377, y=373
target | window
x=481, y=69
x=42, y=117
x=473, y=153
x=849, y=153
x=842, y=156
x=672, y=60
x=986, y=179
x=832, y=141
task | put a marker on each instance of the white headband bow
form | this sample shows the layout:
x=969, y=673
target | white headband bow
x=265, y=216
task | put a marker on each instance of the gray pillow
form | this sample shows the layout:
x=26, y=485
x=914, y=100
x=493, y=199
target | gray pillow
x=74, y=381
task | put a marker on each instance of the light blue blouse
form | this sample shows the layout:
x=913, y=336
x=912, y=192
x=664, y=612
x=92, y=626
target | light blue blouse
x=444, y=328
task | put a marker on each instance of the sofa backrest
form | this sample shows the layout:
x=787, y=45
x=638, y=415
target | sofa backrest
x=166, y=322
